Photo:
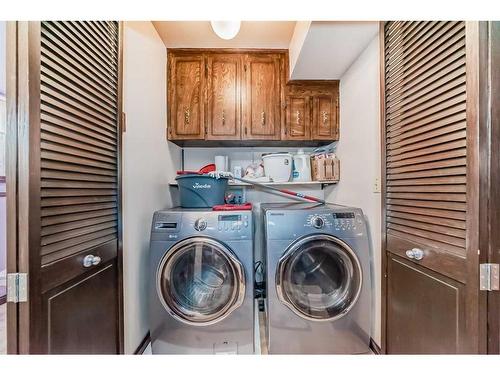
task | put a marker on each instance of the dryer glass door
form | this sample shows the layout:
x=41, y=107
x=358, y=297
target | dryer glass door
x=319, y=278
x=200, y=281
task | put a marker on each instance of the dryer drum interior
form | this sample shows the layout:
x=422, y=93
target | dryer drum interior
x=200, y=281
x=319, y=278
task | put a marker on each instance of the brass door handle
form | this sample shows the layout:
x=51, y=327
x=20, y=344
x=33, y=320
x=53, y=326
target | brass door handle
x=263, y=118
x=297, y=114
x=187, y=115
x=223, y=118
x=325, y=117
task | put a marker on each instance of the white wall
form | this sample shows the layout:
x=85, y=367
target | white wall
x=359, y=153
x=149, y=163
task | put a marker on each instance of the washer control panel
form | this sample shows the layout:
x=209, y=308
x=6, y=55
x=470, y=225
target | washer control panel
x=343, y=221
x=232, y=222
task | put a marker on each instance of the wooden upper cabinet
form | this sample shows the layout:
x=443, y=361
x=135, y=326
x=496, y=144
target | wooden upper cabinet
x=243, y=95
x=224, y=96
x=298, y=117
x=186, y=87
x=262, y=112
x=325, y=117
x=312, y=111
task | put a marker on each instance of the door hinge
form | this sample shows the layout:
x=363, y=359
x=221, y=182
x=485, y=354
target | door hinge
x=17, y=287
x=489, y=276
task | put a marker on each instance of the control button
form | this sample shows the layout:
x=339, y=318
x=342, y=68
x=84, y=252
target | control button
x=318, y=222
x=246, y=223
x=200, y=225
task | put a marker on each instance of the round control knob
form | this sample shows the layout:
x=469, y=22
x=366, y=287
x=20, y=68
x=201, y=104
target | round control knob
x=318, y=222
x=200, y=225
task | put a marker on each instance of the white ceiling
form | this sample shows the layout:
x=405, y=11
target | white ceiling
x=330, y=47
x=318, y=49
x=199, y=34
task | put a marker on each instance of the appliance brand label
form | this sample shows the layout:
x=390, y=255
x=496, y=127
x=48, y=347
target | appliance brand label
x=199, y=186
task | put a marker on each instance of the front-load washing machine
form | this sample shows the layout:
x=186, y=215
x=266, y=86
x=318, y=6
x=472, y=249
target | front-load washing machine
x=318, y=279
x=201, y=282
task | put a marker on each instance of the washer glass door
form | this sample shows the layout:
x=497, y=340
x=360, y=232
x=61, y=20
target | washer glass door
x=319, y=278
x=200, y=281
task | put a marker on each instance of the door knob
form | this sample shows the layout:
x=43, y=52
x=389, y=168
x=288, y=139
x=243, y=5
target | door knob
x=91, y=260
x=415, y=253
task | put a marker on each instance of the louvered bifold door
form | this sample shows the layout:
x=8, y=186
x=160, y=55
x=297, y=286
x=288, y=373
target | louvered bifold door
x=426, y=182
x=79, y=80
x=76, y=94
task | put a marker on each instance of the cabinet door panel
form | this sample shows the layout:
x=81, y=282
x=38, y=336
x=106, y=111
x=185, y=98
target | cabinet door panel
x=224, y=97
x=81, y=314
x=298, y=122
x=325, y=117
x=262, y=112
x=186, y=89
x=423, y=322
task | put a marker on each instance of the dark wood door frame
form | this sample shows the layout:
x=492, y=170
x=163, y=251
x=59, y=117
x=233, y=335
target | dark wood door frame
x=477, y=185
x=23, y=182
x=492, y=235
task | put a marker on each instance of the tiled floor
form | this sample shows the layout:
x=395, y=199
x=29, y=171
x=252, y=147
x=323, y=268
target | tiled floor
x=3, y=329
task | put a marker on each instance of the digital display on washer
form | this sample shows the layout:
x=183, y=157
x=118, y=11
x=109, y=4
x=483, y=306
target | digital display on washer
x=343, y=215
x=229, y=217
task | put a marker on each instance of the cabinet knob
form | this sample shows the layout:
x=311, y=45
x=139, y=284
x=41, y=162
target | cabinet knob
x=297, y=114
x=223, y=118
x=187, y=115
x=91, y=260
x=415, y=253
x=263, y=118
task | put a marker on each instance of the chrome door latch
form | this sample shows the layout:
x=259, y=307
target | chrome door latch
x=17, y=287
x=489, y=276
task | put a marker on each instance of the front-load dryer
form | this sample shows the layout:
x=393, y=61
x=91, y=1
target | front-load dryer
x=201, y=282
x=318, y=279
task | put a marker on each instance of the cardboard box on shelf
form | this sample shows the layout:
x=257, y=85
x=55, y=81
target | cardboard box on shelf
x=325, y=168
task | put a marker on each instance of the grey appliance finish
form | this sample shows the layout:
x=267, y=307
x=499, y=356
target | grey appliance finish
x=318, y=279
x=201, y=282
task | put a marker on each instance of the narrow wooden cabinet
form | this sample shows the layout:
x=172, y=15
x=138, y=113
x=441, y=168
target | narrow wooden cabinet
x=312, y=111
x=298, y=117
x=262, y=97
x=224, y=96
x=325, y=117
x=186, y=85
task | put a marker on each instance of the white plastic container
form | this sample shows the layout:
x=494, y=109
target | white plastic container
x=301, y=167
x=278, y=166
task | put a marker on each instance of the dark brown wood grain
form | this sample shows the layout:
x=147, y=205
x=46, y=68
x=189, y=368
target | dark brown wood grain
x=68, y=194
x=430, y=74
x=493, y=235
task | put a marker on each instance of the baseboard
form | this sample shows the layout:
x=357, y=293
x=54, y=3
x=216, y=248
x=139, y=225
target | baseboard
x=374, y=347
x=143, y=345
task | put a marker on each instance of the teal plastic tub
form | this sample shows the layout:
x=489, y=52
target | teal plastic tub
x=201, y=191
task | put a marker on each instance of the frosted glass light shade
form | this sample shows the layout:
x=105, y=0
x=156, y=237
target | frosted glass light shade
x=226, y=29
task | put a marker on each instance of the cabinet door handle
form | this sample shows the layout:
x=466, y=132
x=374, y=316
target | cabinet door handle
x=297, y=114
x=187, y=115
x=223, y=118
x=91, y=260
x=263, y=118
x=325, y=117
x=415, y=253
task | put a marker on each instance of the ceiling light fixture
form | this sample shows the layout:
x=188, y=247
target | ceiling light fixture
x=226, y=29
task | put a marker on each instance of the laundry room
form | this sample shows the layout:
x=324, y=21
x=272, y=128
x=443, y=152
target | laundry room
x=351, y=143
x=257, y=187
